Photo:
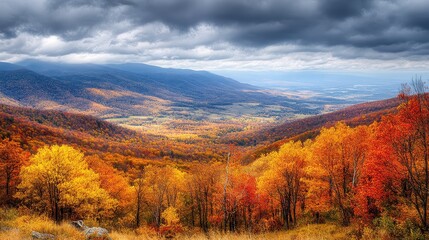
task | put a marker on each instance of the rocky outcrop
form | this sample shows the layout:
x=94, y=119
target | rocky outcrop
x=92, y=233
x=96, y=233
x=44, y=236
x=79, y=225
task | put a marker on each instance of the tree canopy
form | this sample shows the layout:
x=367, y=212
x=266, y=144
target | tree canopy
x=58, y=180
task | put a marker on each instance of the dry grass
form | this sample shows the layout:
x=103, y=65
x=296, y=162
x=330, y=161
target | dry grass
x=14, y=227
x=309, y=232
x=66, y=232
x=21, y=228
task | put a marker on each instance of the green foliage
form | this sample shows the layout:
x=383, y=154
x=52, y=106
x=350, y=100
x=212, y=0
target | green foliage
x=386, y=227
x=7, y=215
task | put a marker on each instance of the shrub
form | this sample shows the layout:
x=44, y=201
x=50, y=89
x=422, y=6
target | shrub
x=386, y=227
x=170, y=231
x=6, y=215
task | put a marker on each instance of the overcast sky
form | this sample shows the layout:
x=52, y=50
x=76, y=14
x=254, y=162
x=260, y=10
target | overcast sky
x=221, y=34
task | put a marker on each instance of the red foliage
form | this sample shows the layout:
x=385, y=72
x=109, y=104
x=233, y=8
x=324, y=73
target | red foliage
x=170, y=231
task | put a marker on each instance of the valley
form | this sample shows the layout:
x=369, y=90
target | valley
x=188, y=154
x=177, y=104
x=176, y=110
x=159, y=101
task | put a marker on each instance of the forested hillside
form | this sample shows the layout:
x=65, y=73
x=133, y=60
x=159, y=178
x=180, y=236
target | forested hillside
x=271, y=138
x=355, y=115
x=371, y=178
x=35, y=128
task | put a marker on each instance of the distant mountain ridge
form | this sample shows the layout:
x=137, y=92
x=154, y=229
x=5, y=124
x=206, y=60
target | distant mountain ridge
x=115, y=90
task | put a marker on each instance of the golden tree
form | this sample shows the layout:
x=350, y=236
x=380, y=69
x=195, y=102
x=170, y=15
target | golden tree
x=283, y=177
x=163, y=187
x=58, y=181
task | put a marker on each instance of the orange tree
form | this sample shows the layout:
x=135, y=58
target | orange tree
x=12, y=158
x=406, y=134
x=339, y=152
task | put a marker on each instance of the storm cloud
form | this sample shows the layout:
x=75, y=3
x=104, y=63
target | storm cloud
x=222, y=32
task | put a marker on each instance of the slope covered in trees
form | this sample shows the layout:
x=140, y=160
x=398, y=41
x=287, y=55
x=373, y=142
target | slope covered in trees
x=367, y=177
x=271, y=138
x=57, y=119
x=35, y=128
x=358, y=114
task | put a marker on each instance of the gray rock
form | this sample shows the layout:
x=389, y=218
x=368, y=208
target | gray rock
x=91, y=233
x=44, y=236
x=97, y=233
x=79, y=225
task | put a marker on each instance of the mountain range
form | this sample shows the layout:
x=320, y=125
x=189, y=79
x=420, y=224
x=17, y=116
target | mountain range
x=132, y=89
x=39, y=102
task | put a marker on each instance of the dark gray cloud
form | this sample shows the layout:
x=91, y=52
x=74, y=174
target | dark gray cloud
x=339, y=9
x=384, y=26
x=359, y=23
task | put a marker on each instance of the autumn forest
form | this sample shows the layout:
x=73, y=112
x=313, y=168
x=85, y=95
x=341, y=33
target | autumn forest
x=370, y=178
x=214, y=119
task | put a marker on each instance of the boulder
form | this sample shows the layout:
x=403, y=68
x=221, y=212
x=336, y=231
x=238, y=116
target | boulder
x=44, y=236
x=91, y=233
x=97, y=233
x=79, y=225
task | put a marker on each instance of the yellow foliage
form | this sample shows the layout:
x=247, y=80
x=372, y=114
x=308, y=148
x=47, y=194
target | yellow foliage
x=290, y=159
x=170, y=216
x=163, y=183
x=58, y=180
